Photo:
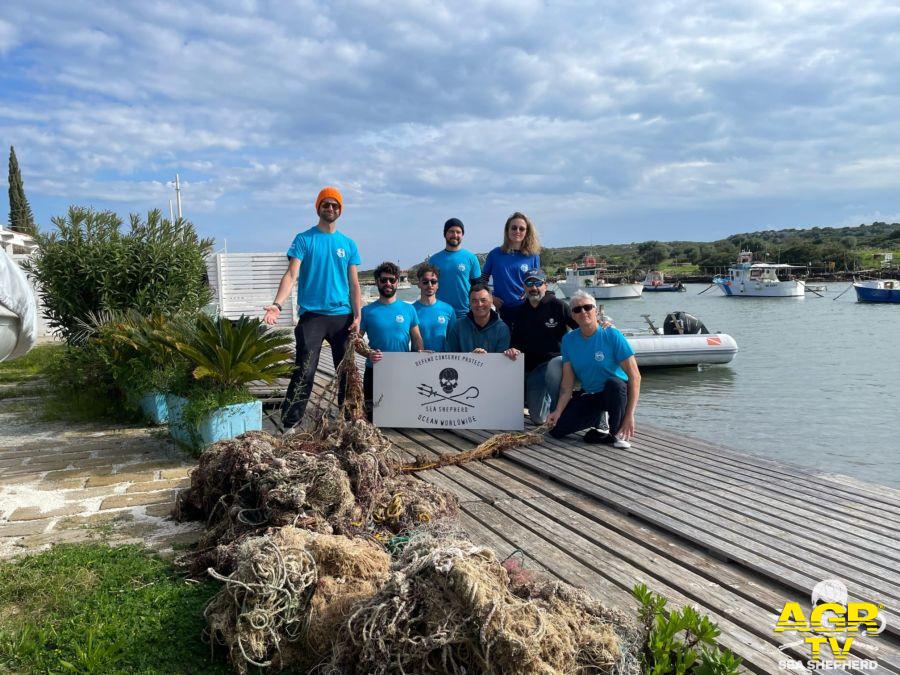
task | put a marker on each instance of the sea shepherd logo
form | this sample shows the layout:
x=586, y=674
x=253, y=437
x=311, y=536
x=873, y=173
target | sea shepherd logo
x=448, y=404
x=449, y=381
x=831, y=628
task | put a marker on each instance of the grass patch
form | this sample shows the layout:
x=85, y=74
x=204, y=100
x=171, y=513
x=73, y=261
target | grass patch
x=92, y=608
x=29, y=366
x=21, y=391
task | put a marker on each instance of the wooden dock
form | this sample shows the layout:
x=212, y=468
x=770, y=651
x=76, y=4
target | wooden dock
x=735, y=535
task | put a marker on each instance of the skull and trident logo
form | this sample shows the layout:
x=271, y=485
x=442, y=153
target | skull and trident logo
x=448, y=379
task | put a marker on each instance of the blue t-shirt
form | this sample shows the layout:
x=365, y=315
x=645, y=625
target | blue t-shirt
x=325, y=258
x=387, y=325
x=508, y=270
x=597, y=358
x=434, y=320
x=458, y=270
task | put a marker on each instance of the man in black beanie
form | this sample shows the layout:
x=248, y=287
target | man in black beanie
x=459, y=268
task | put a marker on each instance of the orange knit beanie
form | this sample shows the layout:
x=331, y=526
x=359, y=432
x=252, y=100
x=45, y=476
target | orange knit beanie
x=329, y=192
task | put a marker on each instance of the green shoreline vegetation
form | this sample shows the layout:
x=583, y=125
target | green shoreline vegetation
x=834, y=249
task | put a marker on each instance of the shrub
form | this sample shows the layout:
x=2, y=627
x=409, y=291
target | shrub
x=90, y=265
x=681, y=641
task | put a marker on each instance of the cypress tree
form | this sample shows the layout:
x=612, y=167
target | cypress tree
x=20, y=217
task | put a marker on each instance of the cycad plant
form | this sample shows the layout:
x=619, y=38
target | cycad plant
x=230, y=355
x=223, y=358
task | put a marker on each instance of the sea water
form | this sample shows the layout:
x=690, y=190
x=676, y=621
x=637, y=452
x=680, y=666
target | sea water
x=816, y=381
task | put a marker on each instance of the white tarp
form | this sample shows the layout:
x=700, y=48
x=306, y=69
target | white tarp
x=449, y=391
x=17, y=296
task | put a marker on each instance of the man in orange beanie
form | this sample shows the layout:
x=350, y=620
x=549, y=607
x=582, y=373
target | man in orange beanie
x=324, y=264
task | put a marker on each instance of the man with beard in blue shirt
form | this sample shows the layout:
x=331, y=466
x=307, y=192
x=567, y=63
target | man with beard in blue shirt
x=458, y=268
x=323, y=263
x=389, y=324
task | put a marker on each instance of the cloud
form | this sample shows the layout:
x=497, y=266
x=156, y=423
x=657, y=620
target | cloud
x=610, y=109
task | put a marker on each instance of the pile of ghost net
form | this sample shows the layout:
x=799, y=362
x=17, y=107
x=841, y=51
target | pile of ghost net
x=335, y=560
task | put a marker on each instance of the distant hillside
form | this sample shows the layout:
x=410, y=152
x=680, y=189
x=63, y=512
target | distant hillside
x=836, y=248
x=826, y=248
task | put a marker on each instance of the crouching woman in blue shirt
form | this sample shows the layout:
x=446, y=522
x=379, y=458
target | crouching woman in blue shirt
x=604, y=362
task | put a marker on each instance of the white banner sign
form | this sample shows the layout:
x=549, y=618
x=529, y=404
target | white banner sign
x=449, y=391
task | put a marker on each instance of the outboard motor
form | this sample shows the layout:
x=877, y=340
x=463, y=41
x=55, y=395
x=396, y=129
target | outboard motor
x=682, y=323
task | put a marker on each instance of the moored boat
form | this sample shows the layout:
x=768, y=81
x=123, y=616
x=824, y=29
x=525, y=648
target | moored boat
x=590, y=277
x=655, y=282
x=684, y=341
x=760, y=280
x=878, y=290
x=653, y=351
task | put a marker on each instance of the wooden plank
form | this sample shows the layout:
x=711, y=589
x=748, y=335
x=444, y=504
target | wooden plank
x=515, y=509
x=883, y=552
x=860, y=514
x=887, y=496
x=810, y=529
x=701, y=566
x=744, y=532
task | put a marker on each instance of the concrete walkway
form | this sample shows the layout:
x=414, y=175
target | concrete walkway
x=64, y=483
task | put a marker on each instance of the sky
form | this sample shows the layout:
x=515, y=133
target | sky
x=605, y=122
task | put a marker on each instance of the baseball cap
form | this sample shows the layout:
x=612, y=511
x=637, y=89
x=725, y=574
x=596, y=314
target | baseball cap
x=535, y=273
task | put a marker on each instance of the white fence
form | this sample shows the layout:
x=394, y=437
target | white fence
x=244, y=283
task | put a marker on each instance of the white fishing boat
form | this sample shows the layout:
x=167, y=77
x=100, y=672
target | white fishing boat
x=403, y=281
x=760, y=280
x=686, y=348
x=590, y=277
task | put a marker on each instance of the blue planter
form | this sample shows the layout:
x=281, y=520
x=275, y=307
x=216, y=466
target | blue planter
x=155, y=407
x=177, y=427
x=231, y=421
x=220, y=425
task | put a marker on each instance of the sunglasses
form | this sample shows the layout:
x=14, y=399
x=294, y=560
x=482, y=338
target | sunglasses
x=582, y=308
x=330, y=205
x=428, y=282
x=521, y=228
x=532, y=283
x=387, y=280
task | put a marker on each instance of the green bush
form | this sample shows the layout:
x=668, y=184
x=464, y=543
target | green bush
x=680, y=642
x=90, y=265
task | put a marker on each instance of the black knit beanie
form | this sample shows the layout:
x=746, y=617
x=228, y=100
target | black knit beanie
x=454, y=222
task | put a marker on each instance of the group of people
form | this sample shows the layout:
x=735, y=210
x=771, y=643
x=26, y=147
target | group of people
x=457, y=312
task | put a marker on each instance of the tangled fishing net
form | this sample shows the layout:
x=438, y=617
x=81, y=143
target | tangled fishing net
x=300, y=530
x=257, y=481
x=291, y=590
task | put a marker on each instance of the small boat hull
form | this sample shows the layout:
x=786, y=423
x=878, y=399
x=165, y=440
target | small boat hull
x=654, y=351
x=880, y=291
x=605, y=291
x=662, y=288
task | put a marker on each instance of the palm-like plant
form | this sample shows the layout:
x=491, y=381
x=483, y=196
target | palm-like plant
x=231, y=355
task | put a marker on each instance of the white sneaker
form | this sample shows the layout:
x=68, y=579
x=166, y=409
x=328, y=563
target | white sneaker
x=622, y=444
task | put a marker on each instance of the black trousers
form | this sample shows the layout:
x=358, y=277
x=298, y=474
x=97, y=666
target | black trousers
x=585, y=410
x=311, y=331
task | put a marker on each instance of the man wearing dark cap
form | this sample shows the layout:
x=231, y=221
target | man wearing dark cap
x=538, y=327
x=323, y=262
x=459, y=268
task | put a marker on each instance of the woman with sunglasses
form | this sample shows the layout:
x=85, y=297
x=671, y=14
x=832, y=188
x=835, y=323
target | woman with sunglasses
x=601, y=358
x=508, y=263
